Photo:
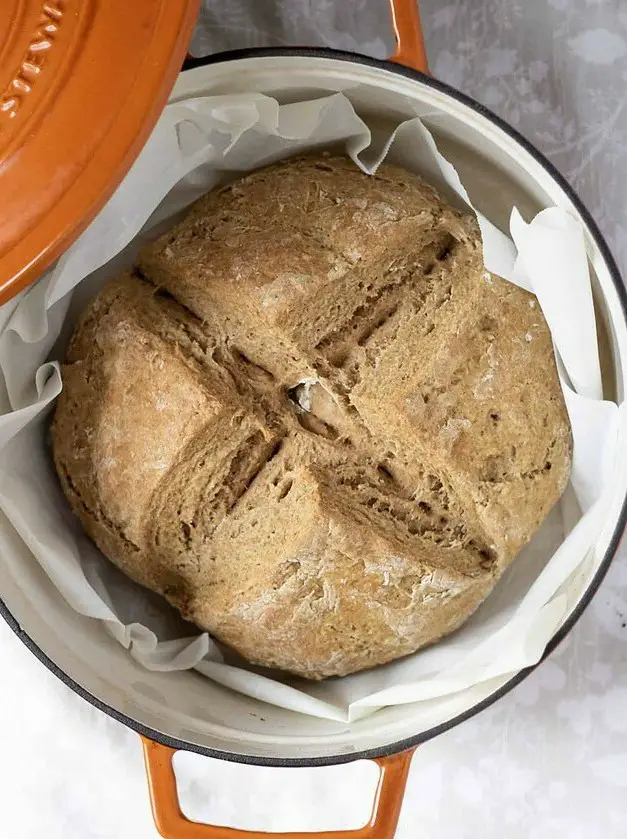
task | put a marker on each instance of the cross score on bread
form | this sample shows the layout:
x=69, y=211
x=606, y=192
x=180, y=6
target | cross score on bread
x=312, y=420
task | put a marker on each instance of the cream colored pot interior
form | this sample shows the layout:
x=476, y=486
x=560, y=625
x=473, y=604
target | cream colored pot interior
x=186, y=706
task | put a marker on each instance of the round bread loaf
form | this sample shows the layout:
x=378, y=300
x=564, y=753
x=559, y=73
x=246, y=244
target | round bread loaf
x=312, y=420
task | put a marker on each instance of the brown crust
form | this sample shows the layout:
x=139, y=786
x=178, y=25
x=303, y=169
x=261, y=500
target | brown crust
x=331, y=527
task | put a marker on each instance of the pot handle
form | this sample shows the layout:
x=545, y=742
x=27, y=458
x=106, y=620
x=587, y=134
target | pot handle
x=410, y=45
x=172, y=824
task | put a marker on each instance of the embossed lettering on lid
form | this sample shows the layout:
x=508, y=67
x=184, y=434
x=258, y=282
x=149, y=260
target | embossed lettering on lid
x=44, y=37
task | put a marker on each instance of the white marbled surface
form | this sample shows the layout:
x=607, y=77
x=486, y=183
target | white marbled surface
x=549, y=759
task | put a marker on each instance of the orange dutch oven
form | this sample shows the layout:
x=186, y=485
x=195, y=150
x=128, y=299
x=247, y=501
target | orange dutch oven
x=82, y=83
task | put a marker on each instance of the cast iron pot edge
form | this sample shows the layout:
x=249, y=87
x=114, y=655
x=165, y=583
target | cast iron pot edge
x=391, y=748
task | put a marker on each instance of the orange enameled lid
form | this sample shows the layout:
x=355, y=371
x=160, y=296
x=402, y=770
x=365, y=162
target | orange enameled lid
x=82, y=82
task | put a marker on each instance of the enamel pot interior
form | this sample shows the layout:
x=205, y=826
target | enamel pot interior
x=186, y=710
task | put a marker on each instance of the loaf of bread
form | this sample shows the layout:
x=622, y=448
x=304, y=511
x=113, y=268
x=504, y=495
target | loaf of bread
x=312, y=420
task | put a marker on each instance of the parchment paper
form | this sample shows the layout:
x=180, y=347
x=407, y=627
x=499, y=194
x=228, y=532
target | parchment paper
x=196, y=145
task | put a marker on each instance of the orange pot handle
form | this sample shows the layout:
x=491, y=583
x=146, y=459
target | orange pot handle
x=410, y=46
x=172, y=824
x=410, y=49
